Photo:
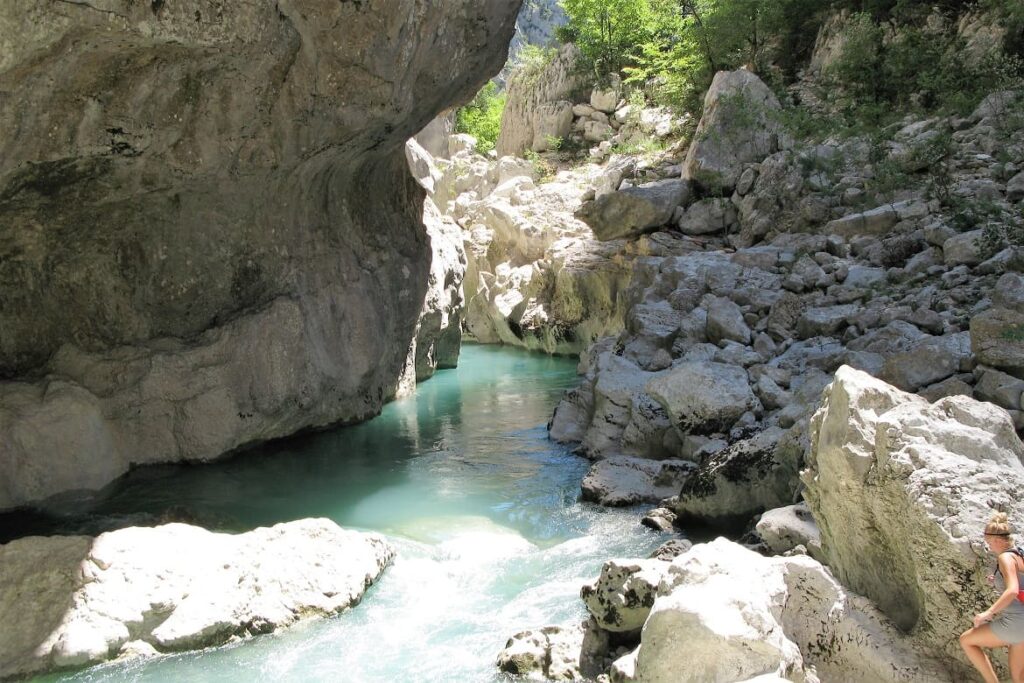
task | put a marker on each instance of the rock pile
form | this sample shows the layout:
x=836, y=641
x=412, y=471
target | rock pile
x=897, y=489
x=729, y=342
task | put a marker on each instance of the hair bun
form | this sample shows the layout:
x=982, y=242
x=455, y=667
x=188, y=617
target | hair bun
x=999, y=518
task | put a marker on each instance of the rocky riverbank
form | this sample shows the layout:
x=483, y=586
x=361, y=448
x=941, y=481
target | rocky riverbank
x=210, y=237
x=809, y=344
x=70, y=601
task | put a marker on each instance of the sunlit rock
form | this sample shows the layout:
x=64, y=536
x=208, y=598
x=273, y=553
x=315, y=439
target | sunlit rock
x=138, y=591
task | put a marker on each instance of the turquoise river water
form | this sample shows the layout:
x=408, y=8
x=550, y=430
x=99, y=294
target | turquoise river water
x=481, y=507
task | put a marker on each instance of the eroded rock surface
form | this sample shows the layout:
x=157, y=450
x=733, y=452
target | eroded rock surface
x=724, y=613
x=209, y=234
x=78, y=600
x=900, y=488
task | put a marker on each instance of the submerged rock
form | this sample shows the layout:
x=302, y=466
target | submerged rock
x=140, y=591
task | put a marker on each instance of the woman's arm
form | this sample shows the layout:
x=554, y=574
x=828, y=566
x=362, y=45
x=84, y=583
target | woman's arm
x=1008, y=568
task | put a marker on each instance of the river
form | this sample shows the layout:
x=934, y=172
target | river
x=482, y=508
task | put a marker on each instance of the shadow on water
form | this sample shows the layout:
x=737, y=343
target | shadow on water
x=444, y=450
x=481, y=507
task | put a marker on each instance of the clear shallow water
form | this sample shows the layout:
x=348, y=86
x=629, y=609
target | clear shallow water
x=461, y=477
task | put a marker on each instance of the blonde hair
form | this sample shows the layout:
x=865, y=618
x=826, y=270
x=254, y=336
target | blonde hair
x=998, y=525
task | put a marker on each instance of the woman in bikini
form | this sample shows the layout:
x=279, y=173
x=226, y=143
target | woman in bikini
x=1002, y=624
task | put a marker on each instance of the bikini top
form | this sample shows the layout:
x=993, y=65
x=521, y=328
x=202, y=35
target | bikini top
x=1019, y=552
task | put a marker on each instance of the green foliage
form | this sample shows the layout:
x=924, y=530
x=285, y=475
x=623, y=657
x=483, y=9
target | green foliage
x=895, y=57
x=640, y=147
x=608, y=32
x=1013, y=333
x=675, y=47
x=915, y=67
x=481, y=118
x=545, y=169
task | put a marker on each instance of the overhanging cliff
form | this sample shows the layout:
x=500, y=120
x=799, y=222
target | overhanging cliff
x=208, y=233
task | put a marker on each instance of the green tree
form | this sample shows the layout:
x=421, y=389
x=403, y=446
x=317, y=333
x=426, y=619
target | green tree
x=481, y=118
x=609, y=33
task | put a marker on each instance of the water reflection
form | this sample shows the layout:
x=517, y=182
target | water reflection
x=456, y=445
x=481, y=507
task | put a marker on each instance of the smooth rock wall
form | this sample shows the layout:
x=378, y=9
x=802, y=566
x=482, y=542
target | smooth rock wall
x=208, y=232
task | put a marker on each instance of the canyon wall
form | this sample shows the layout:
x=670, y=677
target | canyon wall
x=208, y=232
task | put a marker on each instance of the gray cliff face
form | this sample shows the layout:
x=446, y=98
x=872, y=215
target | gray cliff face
x=208, y=232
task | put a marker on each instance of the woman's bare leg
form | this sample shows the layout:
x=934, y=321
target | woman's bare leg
x=972, y=641
x=1017, y=662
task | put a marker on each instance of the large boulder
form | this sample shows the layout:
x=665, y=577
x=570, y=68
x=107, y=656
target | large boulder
x=739, y=126
x=752, y=475
x=537, y=104
x=635, y=210
x=726, y=614
x=997, y=339
x=210, y=234
x=928, y=360
x=79, y=600
x=901, y=489
x=703, y=398
x=618, y=401
x=964, y=249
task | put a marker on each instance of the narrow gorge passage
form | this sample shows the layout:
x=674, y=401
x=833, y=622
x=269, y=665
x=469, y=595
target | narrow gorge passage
x=461, y=477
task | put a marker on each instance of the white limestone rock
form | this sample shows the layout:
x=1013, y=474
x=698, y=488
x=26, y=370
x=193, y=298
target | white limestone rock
x=707, y=216
x=900, y=489
x=703, y=398
x=618, y=400
x=877, y=221
x=620, y=599
x=997, y=339
x=725, y=321
x=783, y=529
x=552, y=122
x=536, y=107
x=606, y=99
x=634, y=210
x=82, y=600
x=737, y=128
x=928, y=360
x=964, y=249
x=724, y=613
x=752, y=475
x=438, y=338
x=560, y=653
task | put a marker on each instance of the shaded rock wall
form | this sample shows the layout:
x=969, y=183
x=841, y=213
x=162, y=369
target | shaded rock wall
x=207, y=225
